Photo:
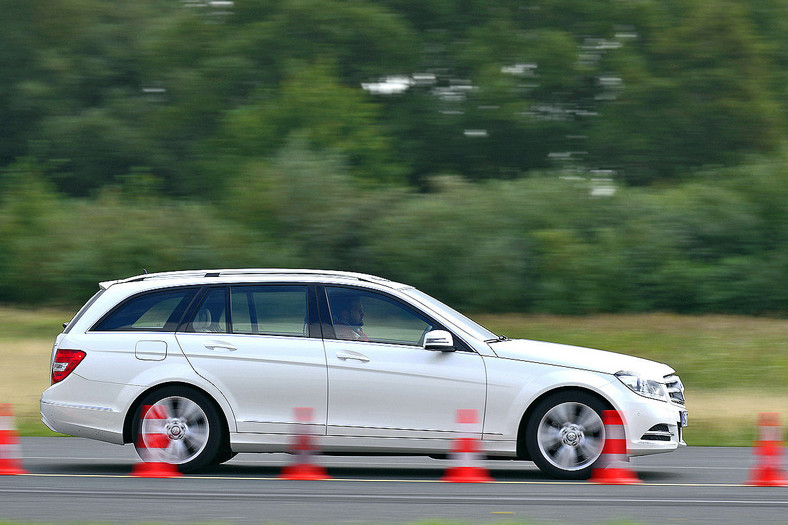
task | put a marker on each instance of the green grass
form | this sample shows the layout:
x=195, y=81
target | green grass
x=18, y=323
x=711, y=352
x=30, y=427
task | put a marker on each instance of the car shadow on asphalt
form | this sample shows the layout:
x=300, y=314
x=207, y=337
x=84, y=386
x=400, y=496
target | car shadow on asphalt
x=274, y=470
x=374, y=473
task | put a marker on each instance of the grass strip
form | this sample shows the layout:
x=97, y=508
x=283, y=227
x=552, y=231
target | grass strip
x=732, y=367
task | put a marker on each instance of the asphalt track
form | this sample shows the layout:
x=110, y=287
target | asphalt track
x=77, y=481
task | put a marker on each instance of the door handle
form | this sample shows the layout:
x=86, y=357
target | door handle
x=215, y=345
x=358, y=357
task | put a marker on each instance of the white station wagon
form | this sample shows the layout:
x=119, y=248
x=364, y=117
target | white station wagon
x=228, y=356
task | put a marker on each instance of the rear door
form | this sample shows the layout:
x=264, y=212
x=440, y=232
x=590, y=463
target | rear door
x=261, y=346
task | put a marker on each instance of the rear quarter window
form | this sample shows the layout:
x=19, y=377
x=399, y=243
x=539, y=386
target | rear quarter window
x=156, y=311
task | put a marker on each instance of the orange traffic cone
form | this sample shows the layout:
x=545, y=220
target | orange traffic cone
x=466, y=454
x=10, y=451
x=304, y=450
x=612, y=466
x=152, y=466
x=768, y=470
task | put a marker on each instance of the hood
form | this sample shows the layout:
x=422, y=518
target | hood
x=578, y=357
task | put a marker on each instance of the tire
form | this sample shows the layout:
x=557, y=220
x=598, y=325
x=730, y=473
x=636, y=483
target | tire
x=565, y=434
x=182, y=428
x=223, y=456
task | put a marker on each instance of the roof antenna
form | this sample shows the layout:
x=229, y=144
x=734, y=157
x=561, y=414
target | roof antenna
x=144, y=271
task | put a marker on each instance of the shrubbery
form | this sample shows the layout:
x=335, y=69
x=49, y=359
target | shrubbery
x=446, y=144
x=537, y=244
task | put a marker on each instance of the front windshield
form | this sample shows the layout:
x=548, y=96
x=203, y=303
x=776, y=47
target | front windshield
x=471, y=327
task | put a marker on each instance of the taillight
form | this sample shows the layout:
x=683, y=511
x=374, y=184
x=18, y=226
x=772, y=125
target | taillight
x=65, y=362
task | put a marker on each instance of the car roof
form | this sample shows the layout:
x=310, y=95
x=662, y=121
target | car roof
x=254, y=274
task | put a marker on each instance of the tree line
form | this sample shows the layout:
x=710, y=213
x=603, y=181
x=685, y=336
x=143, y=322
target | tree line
x=573, y=157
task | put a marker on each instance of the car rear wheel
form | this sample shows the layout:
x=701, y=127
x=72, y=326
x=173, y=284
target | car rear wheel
x=224, y=456
x=565, y=434
x=180, y=426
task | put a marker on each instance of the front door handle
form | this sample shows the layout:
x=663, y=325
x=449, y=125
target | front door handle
x=358, y=357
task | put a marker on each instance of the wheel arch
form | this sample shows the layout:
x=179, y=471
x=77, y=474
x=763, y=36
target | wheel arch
x=128, y=422
x=522, y=448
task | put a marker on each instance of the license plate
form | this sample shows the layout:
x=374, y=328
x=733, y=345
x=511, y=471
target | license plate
x=684, y=415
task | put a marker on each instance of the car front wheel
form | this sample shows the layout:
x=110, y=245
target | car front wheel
x=565, y=434
x=179, y=426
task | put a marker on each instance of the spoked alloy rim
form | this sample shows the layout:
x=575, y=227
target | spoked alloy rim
x=175, y=431
x=571, y=436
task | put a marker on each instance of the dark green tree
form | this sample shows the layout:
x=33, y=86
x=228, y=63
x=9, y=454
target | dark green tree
x=695, y=93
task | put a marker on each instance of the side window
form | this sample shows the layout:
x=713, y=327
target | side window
x=211, y=315
x=360, y=315
x=158, y=311
x=271, y=310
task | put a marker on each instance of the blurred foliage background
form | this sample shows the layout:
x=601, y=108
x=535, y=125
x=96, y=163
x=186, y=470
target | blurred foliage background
x=571, y=157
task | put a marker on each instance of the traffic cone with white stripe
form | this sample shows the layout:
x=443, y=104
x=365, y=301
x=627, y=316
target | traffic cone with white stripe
x=10, y=450
x=304, y=449
x=466, y=453
x=612, y=467
x=768, y=470
x=152, y=437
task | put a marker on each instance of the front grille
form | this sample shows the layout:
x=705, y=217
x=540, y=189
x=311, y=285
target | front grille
x=675, y=388
x=659, y=432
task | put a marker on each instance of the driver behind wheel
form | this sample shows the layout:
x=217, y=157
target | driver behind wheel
x=348, y=316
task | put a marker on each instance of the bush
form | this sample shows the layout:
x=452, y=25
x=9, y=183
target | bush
x=539, y=244
x=57, y=249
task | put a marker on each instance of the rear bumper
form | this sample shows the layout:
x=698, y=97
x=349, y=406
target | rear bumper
x=83, y=421
x=66, y=408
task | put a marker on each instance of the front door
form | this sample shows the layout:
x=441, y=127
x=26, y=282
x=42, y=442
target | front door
x=383, y=383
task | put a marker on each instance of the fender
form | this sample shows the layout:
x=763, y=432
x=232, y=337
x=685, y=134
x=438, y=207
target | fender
x=519, y=383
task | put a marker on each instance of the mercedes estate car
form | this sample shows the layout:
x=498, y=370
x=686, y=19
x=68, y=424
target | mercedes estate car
x=228, y=356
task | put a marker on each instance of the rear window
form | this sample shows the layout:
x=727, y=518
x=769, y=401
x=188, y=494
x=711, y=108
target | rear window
x=67, y=327
x=157, y=311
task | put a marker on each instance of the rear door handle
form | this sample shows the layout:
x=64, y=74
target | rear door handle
x=358, y=357
x=217, y=345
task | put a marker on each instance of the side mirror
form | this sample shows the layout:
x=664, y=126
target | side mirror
x=439, y=340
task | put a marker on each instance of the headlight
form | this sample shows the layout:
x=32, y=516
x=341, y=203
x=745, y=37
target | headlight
x=643, y=387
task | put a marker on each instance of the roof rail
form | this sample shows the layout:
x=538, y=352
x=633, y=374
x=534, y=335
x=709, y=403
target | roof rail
x=243, y=271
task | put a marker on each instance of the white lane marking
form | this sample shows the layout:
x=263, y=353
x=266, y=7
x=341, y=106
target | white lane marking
x=409, y=498
x=383, y=480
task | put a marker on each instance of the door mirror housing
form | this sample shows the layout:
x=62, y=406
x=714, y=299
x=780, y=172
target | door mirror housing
x=439, y=340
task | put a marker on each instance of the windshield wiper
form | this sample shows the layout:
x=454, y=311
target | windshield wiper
x=498, y=339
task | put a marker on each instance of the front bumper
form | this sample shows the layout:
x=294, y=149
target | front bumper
x=654, y=426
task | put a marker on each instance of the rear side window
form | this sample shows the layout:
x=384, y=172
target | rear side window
x=271, y=310
x=157, y=311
